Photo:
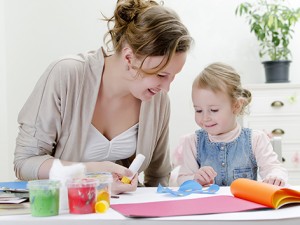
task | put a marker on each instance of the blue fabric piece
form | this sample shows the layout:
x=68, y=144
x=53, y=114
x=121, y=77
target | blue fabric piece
x=189, y=187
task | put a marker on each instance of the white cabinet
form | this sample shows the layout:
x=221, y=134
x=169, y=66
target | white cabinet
x=275, y=108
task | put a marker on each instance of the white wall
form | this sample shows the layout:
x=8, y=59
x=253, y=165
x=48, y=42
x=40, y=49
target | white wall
x=33, y=33
x=5, y=154
x=220, y=36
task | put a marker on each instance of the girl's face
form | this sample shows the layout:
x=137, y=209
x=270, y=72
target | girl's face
x=144, y=87
x=214, y=111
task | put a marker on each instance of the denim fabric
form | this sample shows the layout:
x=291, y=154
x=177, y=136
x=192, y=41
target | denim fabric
x=230, y=160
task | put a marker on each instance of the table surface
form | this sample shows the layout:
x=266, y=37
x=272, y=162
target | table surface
x=289, y=214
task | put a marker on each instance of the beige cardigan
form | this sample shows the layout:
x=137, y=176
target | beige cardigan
x=55, y=119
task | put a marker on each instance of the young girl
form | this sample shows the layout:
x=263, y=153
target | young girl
x=222, y=151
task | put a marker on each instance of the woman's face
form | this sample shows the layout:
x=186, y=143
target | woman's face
x=144, y=87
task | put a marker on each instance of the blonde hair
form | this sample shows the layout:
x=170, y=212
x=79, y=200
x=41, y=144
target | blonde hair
x=220, y=77
x=149, y=28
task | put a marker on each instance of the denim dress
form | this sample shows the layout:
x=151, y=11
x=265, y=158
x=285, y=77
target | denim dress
x=230, y=160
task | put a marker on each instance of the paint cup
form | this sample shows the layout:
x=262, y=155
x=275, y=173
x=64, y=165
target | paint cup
x=104, y=187
x=44, y=197
x=82, y=193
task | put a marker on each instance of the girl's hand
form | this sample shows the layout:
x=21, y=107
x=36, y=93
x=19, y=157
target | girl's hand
x=275, y=181
x=205, y=175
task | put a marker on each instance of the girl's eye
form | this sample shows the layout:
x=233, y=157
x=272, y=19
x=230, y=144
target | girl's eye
x=159, y=75
x=198, y=111
x=214, y=110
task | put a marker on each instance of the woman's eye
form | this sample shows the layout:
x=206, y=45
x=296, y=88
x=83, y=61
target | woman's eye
x=215, y=110
x=159, y=75
x=198, y=111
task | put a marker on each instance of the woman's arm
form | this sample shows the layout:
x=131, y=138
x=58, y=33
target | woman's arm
x=40, y=125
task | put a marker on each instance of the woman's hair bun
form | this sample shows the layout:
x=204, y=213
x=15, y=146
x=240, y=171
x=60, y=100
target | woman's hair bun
x=127, y=10
x=126, y=13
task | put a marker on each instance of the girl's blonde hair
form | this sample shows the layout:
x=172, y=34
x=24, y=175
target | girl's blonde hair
x=149, y=28
x=220, y=77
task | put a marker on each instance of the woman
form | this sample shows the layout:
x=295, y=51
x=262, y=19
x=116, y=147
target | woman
x=102, y=110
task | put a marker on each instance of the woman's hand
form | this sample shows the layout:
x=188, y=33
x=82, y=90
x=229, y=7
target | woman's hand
x=205, y=175
x=119, y=187
x=118, y=172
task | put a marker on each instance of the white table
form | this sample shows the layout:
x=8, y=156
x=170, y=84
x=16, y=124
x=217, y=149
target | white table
x=286, y=215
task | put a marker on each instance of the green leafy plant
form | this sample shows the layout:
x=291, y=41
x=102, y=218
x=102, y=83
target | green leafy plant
x=272, y=23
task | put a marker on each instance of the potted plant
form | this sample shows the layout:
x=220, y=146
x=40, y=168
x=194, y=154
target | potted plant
x=272, y=23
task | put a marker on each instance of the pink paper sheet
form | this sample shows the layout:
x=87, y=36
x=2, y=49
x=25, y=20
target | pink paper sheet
x=206, y=205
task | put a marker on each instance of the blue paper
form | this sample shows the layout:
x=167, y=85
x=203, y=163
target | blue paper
x=17, y=186
x=189, y=187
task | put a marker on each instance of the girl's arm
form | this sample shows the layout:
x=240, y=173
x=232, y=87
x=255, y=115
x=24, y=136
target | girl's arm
x=188, y=163
x=267, y=160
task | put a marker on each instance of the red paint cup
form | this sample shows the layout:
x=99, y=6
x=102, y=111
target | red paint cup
x=82, y=193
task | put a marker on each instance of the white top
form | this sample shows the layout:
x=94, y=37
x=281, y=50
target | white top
x=99, y=148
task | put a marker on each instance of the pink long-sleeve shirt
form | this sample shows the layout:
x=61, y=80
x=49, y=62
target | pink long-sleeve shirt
x=267, y=160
